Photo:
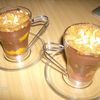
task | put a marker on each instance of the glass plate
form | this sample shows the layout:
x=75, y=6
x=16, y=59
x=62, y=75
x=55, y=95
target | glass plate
x=58, y=83
x=32, y=58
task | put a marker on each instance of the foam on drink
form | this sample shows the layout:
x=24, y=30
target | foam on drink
x=13, y=20
x=84, y=38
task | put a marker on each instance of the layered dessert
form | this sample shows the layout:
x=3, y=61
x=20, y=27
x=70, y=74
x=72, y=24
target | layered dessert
x=14, y=31
x=82, y=49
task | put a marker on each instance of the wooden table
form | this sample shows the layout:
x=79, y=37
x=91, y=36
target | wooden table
x=30, y=84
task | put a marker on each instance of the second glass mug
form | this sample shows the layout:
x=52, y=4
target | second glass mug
x=14, y=40
x=80, y=68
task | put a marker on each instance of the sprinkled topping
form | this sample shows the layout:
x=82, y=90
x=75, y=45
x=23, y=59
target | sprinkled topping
x=84, y=37
x=13, y=20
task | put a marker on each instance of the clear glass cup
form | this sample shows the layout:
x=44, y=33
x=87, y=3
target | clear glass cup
x=15, y=24
x=81, y=65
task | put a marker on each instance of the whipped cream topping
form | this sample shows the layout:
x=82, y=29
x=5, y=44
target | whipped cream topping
x=13, y=20
x=84, y=37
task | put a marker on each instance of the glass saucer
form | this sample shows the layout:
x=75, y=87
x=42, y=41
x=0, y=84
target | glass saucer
x=33, y=57
x=58, y=83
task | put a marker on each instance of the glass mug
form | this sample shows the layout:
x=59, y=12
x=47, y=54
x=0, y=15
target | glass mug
x=82, y=60
x=15, y=23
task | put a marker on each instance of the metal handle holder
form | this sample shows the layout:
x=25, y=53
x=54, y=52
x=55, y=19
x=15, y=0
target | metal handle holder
x=39, y=20
x=50, y=50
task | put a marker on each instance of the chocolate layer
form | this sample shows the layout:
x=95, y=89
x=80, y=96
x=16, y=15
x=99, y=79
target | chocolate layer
x=81, y=67
x=11, y=40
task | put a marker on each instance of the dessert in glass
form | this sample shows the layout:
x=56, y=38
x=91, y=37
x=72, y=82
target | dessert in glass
x=14, y=32
x=82, y=50
x=15, y=23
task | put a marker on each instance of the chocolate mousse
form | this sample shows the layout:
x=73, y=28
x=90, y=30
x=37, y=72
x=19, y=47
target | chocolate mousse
x=14, y=31
x=82, y=49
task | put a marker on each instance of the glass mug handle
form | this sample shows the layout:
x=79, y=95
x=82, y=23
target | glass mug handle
x=39, y=20
x=50, y=50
